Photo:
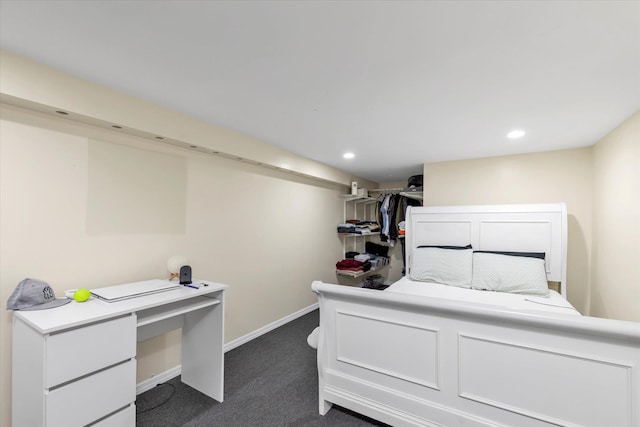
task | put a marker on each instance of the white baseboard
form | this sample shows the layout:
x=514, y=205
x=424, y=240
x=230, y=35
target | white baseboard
x=271, y=326
x=175, y=371
x=155, y=380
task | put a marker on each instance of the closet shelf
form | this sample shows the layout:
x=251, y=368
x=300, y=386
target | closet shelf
x=358, y=199
x=406, y=192
x=358, y=235
x=417, y=195
x=357, y=274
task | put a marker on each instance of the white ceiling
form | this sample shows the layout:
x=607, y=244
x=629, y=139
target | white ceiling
x=397, y=83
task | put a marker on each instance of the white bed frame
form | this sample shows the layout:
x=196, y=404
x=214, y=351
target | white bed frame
x=419, y=361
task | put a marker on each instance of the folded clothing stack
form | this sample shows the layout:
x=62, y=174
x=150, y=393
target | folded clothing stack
x=354, y=226
x=353, y=265
x=356, y=263
x=379, y=261
x=402, y=228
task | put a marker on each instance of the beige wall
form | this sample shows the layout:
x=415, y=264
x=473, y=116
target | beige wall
x=256, y=229
x=616, y=223
x=557, y=176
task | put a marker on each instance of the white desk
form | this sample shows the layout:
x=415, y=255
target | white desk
x=75, y=364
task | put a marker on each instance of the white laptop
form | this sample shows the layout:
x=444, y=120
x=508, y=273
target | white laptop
x=133, y=290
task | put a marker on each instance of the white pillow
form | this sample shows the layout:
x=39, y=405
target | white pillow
x=441, y=265
x=509, y=273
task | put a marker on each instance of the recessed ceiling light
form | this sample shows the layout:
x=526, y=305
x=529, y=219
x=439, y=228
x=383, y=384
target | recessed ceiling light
x=348, y=155
x=515, y=134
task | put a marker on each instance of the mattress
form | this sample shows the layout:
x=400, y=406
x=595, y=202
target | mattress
x=555, y=303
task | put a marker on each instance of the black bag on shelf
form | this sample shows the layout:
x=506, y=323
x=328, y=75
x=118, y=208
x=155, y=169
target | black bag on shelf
x=376, y=249
x=415, y=181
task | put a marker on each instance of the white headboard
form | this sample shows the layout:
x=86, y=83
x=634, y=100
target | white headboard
x=520, y=228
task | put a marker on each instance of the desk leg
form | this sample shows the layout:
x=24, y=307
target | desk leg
x=202, y=350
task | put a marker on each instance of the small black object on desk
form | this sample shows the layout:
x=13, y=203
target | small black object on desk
x=185, y=275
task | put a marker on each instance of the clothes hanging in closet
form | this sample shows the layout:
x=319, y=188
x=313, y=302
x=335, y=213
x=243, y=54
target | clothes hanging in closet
x=388, y=209
x=391, y=210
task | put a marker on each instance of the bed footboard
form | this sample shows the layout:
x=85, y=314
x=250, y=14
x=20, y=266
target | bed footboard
x=408, y=360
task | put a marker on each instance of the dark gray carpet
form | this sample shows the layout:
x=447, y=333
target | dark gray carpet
x=270, y=381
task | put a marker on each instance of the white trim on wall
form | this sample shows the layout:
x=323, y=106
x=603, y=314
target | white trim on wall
x=270, y=327
x=156, y=380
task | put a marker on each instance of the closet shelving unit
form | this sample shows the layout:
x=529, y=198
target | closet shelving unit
x=363, y=208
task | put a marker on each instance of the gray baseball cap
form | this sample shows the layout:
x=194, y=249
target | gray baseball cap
x=33, y=294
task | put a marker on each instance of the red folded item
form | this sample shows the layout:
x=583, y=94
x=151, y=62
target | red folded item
x=348, y=264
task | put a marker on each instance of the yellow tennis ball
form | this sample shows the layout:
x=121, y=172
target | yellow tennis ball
x=81, y=295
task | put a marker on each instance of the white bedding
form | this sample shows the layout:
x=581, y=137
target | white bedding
x=555, y=303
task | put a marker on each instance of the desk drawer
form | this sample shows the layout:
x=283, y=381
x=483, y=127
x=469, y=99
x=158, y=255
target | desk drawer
x=81, y=351
x=90, y=398
x=125, y=417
